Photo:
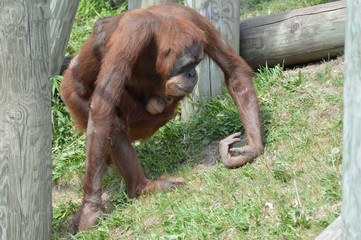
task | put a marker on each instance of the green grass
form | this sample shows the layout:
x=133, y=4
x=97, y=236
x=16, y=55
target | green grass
x=88, y=12
x=293, y=191
x=253, y=8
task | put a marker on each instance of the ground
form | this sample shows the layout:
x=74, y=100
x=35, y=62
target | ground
x=291, y=192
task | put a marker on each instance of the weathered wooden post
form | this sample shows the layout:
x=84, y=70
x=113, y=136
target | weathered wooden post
x=224, y=15
x=351, y=179
x=25, y=120
x=62, y=19
x=133, y=4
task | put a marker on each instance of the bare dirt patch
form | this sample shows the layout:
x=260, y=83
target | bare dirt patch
x=311, y=68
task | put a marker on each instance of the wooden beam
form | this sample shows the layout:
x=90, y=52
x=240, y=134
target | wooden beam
x=61, y=23
x=332, y=232
x=25, y=120
x=351, y=160
x=224, y=14
x=294, y=37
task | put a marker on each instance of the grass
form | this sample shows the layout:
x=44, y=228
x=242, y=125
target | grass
x=88, y=12
x=293, y=191
x=253, y=8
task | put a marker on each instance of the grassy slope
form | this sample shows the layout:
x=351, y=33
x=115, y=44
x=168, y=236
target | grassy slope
x=293, y=191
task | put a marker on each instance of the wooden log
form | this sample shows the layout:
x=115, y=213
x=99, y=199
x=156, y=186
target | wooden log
x=133, y=4
x=25, y=120
x=62, y=19
x=333, y=231
x=351, y=163
x=294, y=37
x=224, y=14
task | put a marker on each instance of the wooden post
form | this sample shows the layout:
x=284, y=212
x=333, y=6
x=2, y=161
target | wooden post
x=62, y=19
x=133, y=4
x=295, y=36
x=351, y=180
x=25, y=120
x=224, y=14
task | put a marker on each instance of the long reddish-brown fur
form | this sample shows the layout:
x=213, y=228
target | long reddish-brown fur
x=120, y=68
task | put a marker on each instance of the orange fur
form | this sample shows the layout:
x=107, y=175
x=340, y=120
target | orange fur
x=112, y=86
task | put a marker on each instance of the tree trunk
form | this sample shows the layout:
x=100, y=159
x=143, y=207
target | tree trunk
x=62, y=19
x=294, y=37
x=133, y=4
x=351, y=180
x=25, y=120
